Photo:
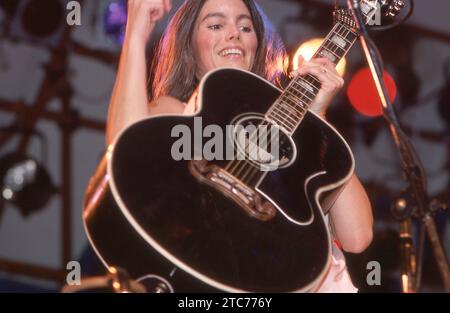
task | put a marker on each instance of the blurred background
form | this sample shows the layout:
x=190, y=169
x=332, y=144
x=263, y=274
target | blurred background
x=55, y=85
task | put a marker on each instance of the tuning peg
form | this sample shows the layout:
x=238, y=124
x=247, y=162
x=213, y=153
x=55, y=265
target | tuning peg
x=394, y=8
x=398, y=5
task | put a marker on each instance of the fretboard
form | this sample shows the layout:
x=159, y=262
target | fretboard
x=291, y=106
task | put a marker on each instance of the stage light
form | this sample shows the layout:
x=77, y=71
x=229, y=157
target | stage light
x=307, y=50
x=363, y=94
x=41, y=18
x=24, y=183
x=39, y=21
x=115, y=20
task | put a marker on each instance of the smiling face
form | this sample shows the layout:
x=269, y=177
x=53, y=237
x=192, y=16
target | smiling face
x=224, y=36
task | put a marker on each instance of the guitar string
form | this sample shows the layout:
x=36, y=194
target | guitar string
x=254, y=170
x=246, y=147
x=230, y=166
x=236, y=166
x=251, y=166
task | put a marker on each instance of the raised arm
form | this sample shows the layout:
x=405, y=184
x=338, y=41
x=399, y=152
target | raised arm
x=129, y=101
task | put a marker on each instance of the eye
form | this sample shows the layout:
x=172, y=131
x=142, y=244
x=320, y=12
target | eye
x=215, y=26
x=246, y=29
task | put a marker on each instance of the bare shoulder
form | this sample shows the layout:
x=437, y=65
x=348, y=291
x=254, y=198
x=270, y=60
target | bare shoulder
x=165, y=105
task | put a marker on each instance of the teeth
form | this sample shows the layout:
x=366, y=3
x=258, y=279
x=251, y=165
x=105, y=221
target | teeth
x=231, y=51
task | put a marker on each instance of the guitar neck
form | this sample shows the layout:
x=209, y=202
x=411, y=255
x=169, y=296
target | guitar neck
x=291, y=106
x=295, y=100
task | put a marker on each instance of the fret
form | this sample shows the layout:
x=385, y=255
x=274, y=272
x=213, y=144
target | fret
x=303, y=90
x=298, y=107
x=292, y=112
x=281, y=114
x=293, y=107
x=283, y=110
x=273, y=116
x=337, y=44
x=323, y=51
x=336, y=48
x=298, y=103
x=340, y=41
x=342, y=32
x=348, y=34
x=344, y=36
x=330, y=49
x=308, y=82
x=315, y=82
x=274, y=120
x=307, y=86
x=282, y=121
x=302, y=94
x=287, y=104
x=278, y=116
x=330, y=56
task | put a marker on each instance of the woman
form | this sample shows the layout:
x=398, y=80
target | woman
x=207, y=34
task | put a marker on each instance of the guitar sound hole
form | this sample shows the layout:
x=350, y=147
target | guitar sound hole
x=262, y=143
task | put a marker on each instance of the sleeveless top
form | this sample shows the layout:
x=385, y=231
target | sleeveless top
x=338, y=279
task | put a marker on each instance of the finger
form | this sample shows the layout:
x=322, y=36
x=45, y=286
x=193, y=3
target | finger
x=324, y=66
x=157, y=12
x=334, y=75
x=313, y=70
x=294, y=73
x=335, y=81
x=325, y=62
x=330, y=69
x=168, y=5
x=300, y=60
x=327, y=81
x=314, y=65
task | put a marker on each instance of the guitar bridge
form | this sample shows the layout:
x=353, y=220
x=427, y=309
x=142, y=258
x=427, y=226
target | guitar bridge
x=233, y=188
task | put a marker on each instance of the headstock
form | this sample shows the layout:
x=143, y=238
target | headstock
x=372, y=10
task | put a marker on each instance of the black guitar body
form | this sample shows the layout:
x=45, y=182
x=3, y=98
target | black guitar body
x=148, y=213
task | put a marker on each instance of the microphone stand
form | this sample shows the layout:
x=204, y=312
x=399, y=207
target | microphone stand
x=416, y=203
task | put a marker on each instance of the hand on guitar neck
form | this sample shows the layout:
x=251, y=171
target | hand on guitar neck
x=325, y=71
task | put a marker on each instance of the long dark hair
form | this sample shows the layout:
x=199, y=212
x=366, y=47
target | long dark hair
x=174, y=65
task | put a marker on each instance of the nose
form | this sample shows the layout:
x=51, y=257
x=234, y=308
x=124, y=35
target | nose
x=234, y=33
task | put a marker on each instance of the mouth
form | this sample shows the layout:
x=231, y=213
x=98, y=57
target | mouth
x=232, y=53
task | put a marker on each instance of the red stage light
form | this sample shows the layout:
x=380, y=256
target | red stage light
x=363, y=94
